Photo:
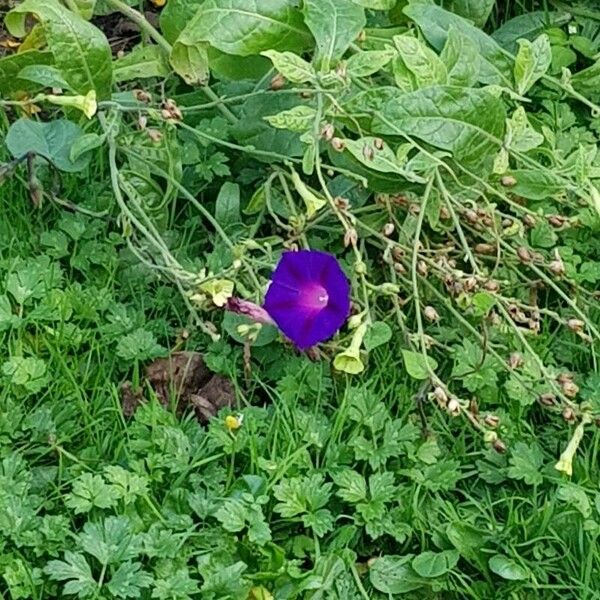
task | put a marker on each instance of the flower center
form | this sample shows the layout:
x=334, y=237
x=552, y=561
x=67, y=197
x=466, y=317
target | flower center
x=314, y=297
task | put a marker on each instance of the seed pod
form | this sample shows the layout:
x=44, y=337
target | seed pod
x=400, y=268
x=557, y=221
x=154, y=134
x=506, y=222
x=491, y=421
x=470, y=284
x=368, y=152
x=568, y=414
x=327, y=132
x=564, y=377
x=338, y=144
x=548, y=399
x=350, y=237
x=575, y=325
x=414, y=208
x=487, y=249
x=397, y=253
x=277, y=82
x=524, y=254
x=441, y=396
x=557, y=266
x=471, y=216
x=142, y=96
x=508, y=181
x=515, y=360
x=529, y=221
x=422, y=268
x=444, y=213
x=499, y=446
x=431, y=314
x=491, y=285
x=388, y=229
x=342, y=203
x=378, y=143
x=570, y=389
x=453, y=407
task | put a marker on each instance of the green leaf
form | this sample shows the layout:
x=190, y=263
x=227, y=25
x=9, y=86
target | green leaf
x=45, y=75
x=377, y=4
x=532, y=62
x=378, y=333
x=7, y=318
x=53, y=140
x=81, y=51
x=435, y=24
x=110, y=541
x=482, y=303
x=394, y=575
x=536, y=184
x=477, y=11
x=352, y=486
x=189, y=58
x=527, y=26
x=461, y=57
x=129, y=580
x=85, y=8
x=417, y=365
x=335, y=24
x=90, y=491
x=363, y=64
x=227, y=207
x=507, y=568
x=467, y=122
x=291, y=66
x=76, y=571
x=435, y=564
x=236, y=68
x=424, y=64
x=13, y=64
x=175, y=15
x=139, y=345
x=28, y=373
x=177, y=585
x=126, y=486
x=85, y=143
x=526, y=462
x=299, y=118
x=520, y=135
x=141, y=62
x=543, y=235
x=246, y=27
x=231, y=322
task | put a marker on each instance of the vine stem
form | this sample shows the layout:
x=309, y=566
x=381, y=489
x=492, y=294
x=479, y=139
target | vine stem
x=146, y=27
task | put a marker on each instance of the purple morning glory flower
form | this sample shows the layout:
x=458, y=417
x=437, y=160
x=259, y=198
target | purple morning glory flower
x=309, y=297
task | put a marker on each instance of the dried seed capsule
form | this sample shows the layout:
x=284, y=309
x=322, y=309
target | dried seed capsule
x=564, y=377
x=548, y=399
x=142, y=96
x=154, y=134
x=422, y=268
x=441, y=396
x=575, y=325
x=492, y=285
x=342, y=203
x=487, y=249
x=400, y=268
x=529, y=221
x=524, y=254
x=388, y=229
x=515, y=360
x=444, y=213
x=397, y=253
x=338, y=144
x=568, y=415
x=508, y=181
x=499, y=446
x=470, y=284
x=453, y=407
x=368, y=152
x=327, y=132
x=557, y=266
x=557, y=220
x=431, y=314
x=277, y=82
x=350, y=237
x=471, y=216
x=378, y=143
x=570, y=389
x=491, y=421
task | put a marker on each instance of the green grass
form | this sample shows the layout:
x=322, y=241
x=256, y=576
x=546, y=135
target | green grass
x=223, y=511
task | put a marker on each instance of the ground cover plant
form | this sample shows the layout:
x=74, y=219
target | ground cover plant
x=299, y=299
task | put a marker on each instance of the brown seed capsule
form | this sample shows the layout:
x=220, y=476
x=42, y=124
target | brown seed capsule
x=557, y=221
x=575, y=325
x=378, y=143
x=487, y=249
x=397, y=253
x=142, y=96
x=453, y=407
x=277, y=82
x=431, y=314
x=342, y=203
x=508, y=181
x=444, y=213
x=506, y=222
x=170, y=111
x=414, y=208
x=338, y=144
x=564, y=377
x=368, y=152
x=350, y=237
x=557, y=266
x=155, y=135
x=491, y=285
x=327, y=132
x=400, y=268
x=524, y=254
x=422, y=268
x=388, y=229
x=471, y=216
x=470, y=284
x=491, y=421
x=499, y=446
x=548, y=399
x=568, y=414
x=441, y=396
x=570, y=389
x=529, y=221
x=515, y=360
x=142, y=122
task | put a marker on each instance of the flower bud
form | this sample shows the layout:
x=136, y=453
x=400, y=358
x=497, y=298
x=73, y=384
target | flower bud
x=360, y=268
x=444, y=213
x=557, y=266
x=489, y=437
x=154, y=134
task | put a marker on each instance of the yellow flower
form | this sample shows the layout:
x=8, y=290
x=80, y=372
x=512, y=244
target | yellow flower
x=220, y=290
x=233, y=422
x=349, y=360
x=86, y=104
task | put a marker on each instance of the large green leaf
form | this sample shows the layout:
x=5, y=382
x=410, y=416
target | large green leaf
x=176, y=15
x=143, y=61
x=435, y=23
x=81, y=51
x=12, y=65
x=335, y=24
x=52, y=140
x=527, y=26
x=477, y=11
x=246, y=27
x=465, y=121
